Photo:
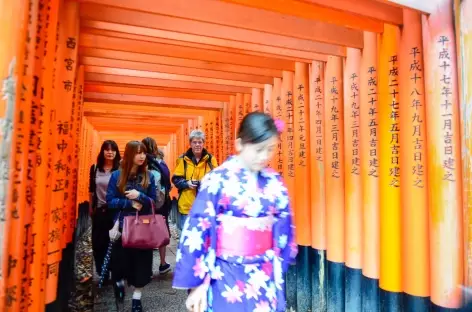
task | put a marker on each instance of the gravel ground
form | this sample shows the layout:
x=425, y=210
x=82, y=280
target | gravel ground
x=157, y=296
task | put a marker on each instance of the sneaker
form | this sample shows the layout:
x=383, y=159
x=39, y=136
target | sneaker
x=165, y=268
x=119, y=293
x=136, y=306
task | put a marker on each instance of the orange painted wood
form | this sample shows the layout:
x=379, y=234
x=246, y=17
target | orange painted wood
x=18, y=210
x=247, y=103
x=59, y=142
x=288, y=147
x=334, y=155
x=257, y=100
x=278, y=111
x=214, y=44
x=165, y=76
x=318, y=163
x=152, y=99
x=121, y=44
x=315, y=13
x=389, y=161
x=463, y=17
x=373, y=9
x=301, y=113
x=414, y=195
x=154, y=92
x=370, y=156
x=247, y=18
x=164, y=83
x=239, y=112
x=195, y=72
x=443, y=159
x=352, y=166
x=184, y=30
x=174, y=61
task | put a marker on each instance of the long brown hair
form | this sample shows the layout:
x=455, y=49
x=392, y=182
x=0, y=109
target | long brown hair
x=132, y=149
x=151, y=145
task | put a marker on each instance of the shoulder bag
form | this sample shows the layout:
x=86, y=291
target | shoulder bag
x=145, y=231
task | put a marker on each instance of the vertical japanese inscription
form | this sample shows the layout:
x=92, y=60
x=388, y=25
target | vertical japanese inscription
x=302, y=150
x=278, y=114
x=417, y=120
x=355, y=113
x=373, y=125
x=334, y=97
x=395, y=123
x=290, y=135
x=319, y=150
x=446, y=108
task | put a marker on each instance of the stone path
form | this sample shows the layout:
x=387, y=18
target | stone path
x=157, y=296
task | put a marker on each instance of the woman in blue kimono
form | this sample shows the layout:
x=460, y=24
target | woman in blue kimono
x=239, y=239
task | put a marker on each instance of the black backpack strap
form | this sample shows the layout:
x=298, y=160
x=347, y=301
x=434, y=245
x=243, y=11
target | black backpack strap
x=209, y=162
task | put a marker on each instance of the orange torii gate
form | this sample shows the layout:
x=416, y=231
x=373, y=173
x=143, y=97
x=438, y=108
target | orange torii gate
x=376, y=154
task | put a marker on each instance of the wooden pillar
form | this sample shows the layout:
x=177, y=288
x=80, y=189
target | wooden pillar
x=59, y=148
x=389, y=171
x=278, y=112
x=370, y=173
x=239, y=114
x=247, y=103
x=353, y=185
x=302, y=184
x=415, y=236
x=334, y=155
x=464, y=42
x=18, y=209
x=444, y=161
x=267, y=104
x=317, y=185
x=289, y=173
x=257, y=100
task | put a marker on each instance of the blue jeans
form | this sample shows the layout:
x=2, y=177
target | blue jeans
x=183, y=218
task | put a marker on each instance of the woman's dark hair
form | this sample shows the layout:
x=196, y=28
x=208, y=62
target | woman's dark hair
x=257, y=127
x=108, y=144
x=151, y=146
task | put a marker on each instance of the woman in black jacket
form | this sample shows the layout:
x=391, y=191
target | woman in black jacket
x=108, y=160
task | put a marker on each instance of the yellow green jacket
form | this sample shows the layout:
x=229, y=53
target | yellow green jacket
x=187, y=169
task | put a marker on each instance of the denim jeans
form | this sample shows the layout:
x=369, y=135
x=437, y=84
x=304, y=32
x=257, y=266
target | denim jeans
x=183, y=218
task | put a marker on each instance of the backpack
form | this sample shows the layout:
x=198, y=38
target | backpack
x=208, y=163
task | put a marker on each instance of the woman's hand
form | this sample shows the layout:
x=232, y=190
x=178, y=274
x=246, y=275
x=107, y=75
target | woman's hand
x=137, y=205
x=197, y=299
x=132, y=194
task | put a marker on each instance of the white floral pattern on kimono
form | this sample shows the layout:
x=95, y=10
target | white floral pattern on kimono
x=237, y=283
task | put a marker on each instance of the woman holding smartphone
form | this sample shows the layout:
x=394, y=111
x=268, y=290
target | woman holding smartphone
x=131, y=188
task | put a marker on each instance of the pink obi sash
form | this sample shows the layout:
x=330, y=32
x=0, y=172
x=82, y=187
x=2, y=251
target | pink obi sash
x=244, y=237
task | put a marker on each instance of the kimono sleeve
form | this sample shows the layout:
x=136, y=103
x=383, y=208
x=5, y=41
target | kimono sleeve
x=284, y=231
x=196, y=254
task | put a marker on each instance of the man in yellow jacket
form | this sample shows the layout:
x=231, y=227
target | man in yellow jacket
x=190, y=169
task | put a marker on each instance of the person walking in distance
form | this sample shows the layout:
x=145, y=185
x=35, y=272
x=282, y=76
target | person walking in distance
x=190, y=169
x=163, y=204
x=108, y=161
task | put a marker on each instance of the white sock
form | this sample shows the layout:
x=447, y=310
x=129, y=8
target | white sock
x=120, y=283
x=137, y=294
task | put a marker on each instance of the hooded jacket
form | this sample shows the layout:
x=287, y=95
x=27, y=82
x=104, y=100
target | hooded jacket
x=187, y=168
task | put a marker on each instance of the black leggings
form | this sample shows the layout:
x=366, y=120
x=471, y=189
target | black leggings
x=101, y=224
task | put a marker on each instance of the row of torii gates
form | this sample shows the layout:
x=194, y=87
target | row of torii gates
x=377, y=153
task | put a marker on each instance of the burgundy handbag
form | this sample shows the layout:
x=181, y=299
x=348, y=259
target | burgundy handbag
x=145, y=232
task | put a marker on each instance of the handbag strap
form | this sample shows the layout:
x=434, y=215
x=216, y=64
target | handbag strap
x=153, y=207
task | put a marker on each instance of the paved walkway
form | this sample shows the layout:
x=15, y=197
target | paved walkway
x=157, y=296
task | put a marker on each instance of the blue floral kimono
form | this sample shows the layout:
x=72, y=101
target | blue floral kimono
x=239, y=238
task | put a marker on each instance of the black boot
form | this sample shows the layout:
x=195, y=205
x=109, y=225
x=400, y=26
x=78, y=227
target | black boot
x=136, y=306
